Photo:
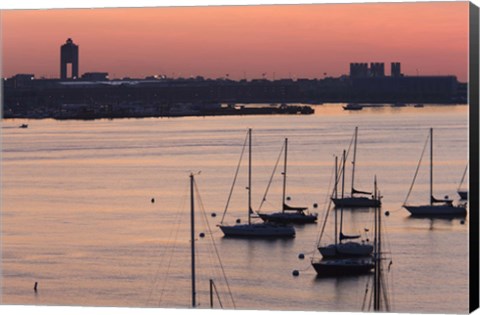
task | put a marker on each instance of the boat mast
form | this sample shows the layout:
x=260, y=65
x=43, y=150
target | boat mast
x=377, y=282
x=354, y=158
x=336, y=184
x=463, y=176
x=343, y=192
x=249, y=175
x=431, y=166
x=192, y=239
x=284, y=176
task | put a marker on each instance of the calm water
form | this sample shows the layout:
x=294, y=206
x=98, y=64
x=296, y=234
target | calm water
x=78, y=218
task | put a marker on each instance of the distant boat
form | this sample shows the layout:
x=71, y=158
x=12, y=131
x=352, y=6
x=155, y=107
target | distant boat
x=288, y=214
x=418, y=105
x=436, y=207
x=23, y=126
x=354, y=201
x=463, y=192
x=340, y=249
x=353, y=106
x=254, y=230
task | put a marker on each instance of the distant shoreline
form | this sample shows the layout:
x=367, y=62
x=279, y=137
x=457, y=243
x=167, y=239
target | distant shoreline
x=294, y=110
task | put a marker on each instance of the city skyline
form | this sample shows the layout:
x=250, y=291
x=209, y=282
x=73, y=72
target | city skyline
x=286, y=41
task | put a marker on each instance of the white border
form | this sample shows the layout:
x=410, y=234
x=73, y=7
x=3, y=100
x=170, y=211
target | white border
x=49, y=4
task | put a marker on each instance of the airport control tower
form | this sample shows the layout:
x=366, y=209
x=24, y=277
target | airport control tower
x=68, y=55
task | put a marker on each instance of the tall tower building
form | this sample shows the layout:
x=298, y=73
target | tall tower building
x=377, y=69
x=68, y=55
x=358, y=70
x=396, y=71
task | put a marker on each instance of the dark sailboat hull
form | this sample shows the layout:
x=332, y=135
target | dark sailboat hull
x=286, y=217
x=356, y=202
x=343, y=267
x=463, y=194
x=436, y=210
x=259, y=230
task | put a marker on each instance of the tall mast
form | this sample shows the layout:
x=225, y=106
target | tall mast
x=249, y=174
x=463, y=176
x=376, y=276
x=379, y=265
x=354, y=157
x=192, y=237
x=336, y=177
x=431, y=166
x=343, y=192
x=336, y=184
x=284, y=176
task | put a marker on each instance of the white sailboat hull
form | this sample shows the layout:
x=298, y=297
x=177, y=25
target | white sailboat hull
x=437, y=210
x=258, y=230
x=349, y=249
x=359, y=202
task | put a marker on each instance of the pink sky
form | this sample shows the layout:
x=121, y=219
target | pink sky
x=289, y=40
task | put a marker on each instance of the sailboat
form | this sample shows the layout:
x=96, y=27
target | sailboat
x=355, y=201
x=255, y=230
x=462, y=192
x=288, y=214
x=436, y=207
x=339, y=248
x=351, y=266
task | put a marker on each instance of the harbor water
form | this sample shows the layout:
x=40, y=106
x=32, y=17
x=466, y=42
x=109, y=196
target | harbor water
x=97, y=212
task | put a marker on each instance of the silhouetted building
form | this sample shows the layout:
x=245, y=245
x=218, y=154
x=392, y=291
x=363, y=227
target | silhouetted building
x=95, y=76
x=23, y=80
x=68, y=55
x=358, y=70
x=377, y=69
x=395, y=70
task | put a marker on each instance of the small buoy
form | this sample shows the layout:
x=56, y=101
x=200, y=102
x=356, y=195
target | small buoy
x=238, y=221
x=214, y=214
x=35, y=287
x=288, y=198
x=202, y=234
x=301, y=256
x=315, y=205
x=387, y=213
x=462, y=222
x=295, y=273
x=153, y=200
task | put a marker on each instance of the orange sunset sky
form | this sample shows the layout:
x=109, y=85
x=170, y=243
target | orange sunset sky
x=298, y=41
